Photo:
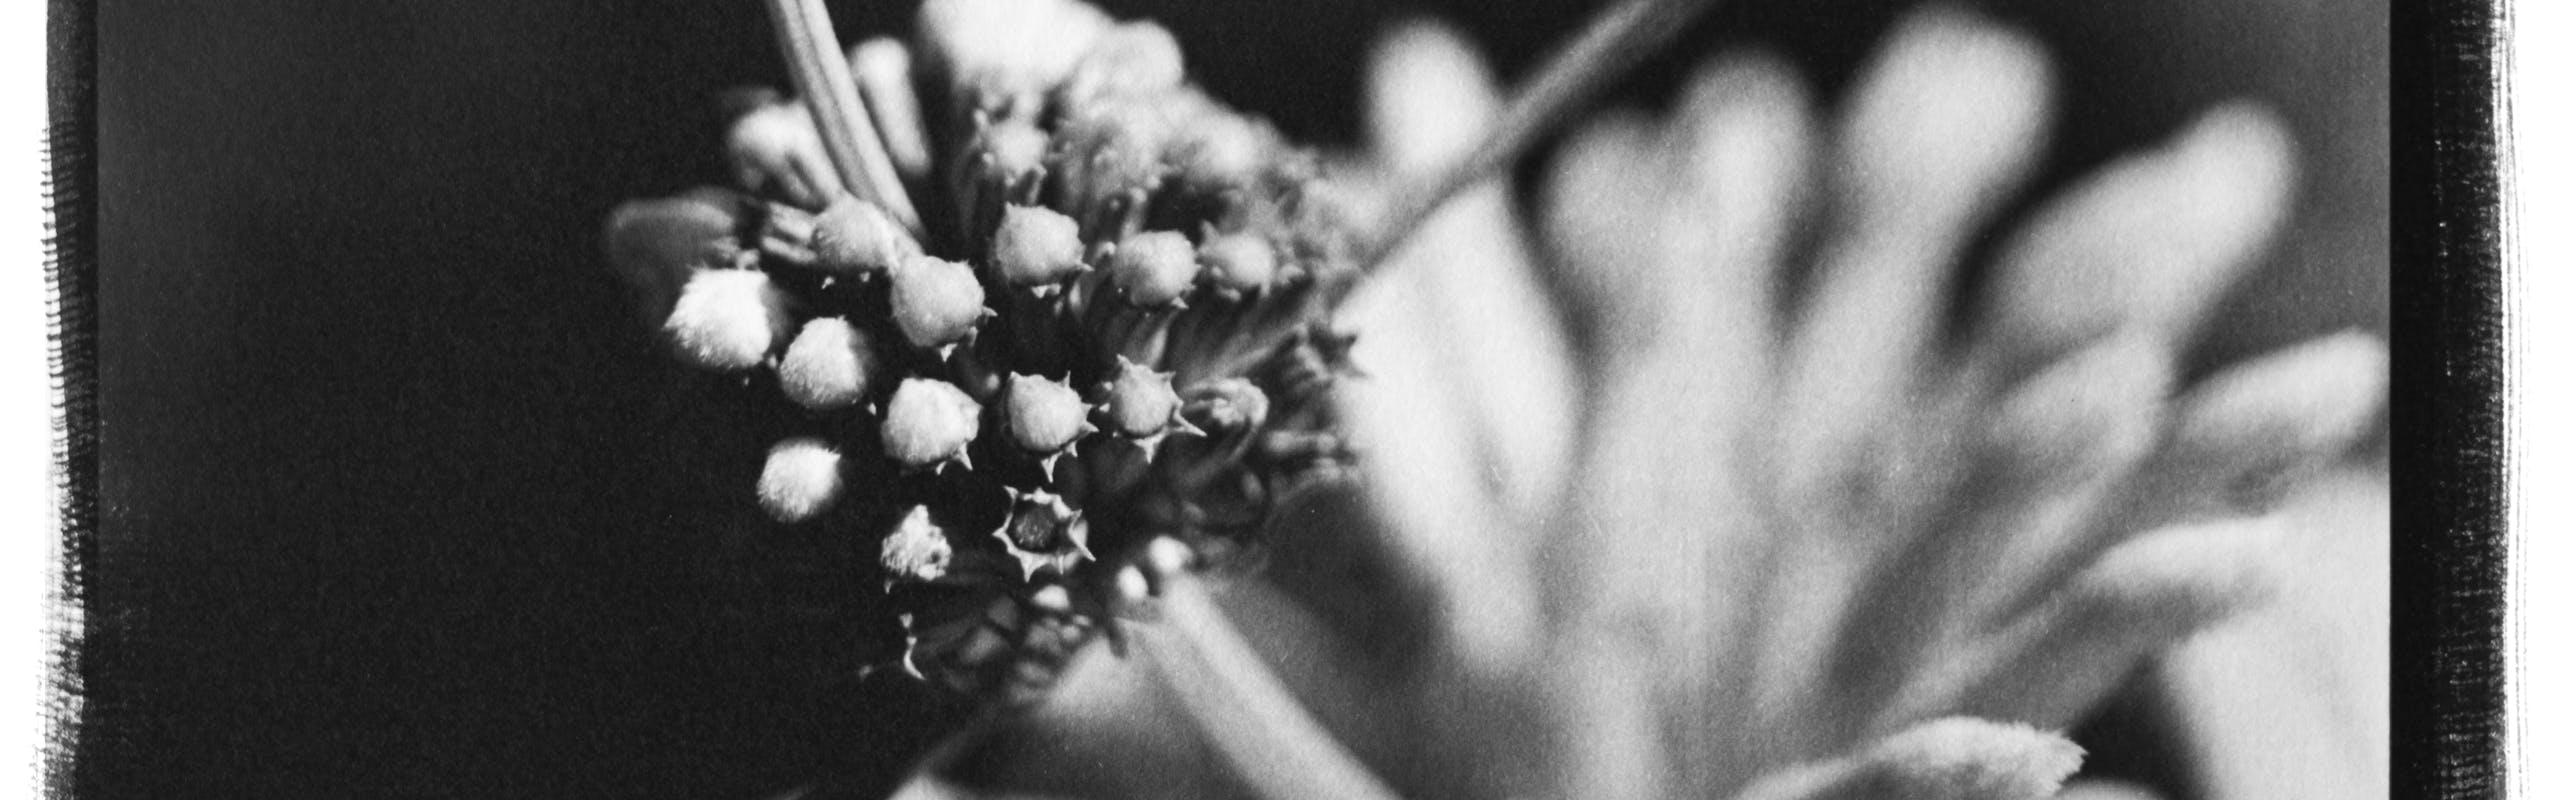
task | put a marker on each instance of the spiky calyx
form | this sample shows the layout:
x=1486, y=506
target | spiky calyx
x=928, y=425
x=1042, y=533
x=936, y=303
x=1044, y=416
x=1140, y=402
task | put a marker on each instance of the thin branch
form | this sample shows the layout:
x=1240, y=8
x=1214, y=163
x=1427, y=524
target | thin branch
x=825, y=81
x=1271, y=742
x=1620, y=39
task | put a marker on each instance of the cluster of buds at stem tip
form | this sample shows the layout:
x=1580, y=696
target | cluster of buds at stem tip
x=1107, y=321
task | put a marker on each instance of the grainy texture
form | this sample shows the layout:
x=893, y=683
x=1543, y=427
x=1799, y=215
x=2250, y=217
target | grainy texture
x=383, y=505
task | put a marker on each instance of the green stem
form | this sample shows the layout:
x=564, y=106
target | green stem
x=1271, y=742
x=825, y=81
x=1619, y=40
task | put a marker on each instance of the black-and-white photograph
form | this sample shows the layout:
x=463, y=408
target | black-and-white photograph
x=940, y=399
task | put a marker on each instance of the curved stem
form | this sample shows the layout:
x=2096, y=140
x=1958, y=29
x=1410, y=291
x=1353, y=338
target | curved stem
x=1250, y=718
x=825, y=81
x=1621, y=38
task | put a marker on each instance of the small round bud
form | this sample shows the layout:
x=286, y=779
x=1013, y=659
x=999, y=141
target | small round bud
x=1155, y=268
x=1141, y=401
x=929, y=423
x=727, y=319
x=1113, y=152
x=853, y=236
x=935, y=302
x=1222, y=149
x=1241, y=262
x=800, y=480
x=1043, y=416
x=828, y=366
x=1132, y=58
x=1036, y=247
x=917, y=550
x=1008, y=149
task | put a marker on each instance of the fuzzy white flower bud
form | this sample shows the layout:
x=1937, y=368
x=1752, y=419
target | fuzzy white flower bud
x=727, y=319
x=853, y=237
x=1239, y=262
x=935, y=302
x=1155, y=268
x=1221, y=149
x=1960, y=758
x=1042, y=415
x=828, y=366
x=1037, y=247
x=917, y=550
x=929, y=423
x=800, y=480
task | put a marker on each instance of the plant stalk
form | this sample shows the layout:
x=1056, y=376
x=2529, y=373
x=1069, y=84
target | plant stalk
x=1565, y=85
x=825, y=82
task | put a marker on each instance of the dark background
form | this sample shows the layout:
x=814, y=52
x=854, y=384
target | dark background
x=390, y=501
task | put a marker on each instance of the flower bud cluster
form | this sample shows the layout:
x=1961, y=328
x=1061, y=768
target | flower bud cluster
x=1110, y=328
